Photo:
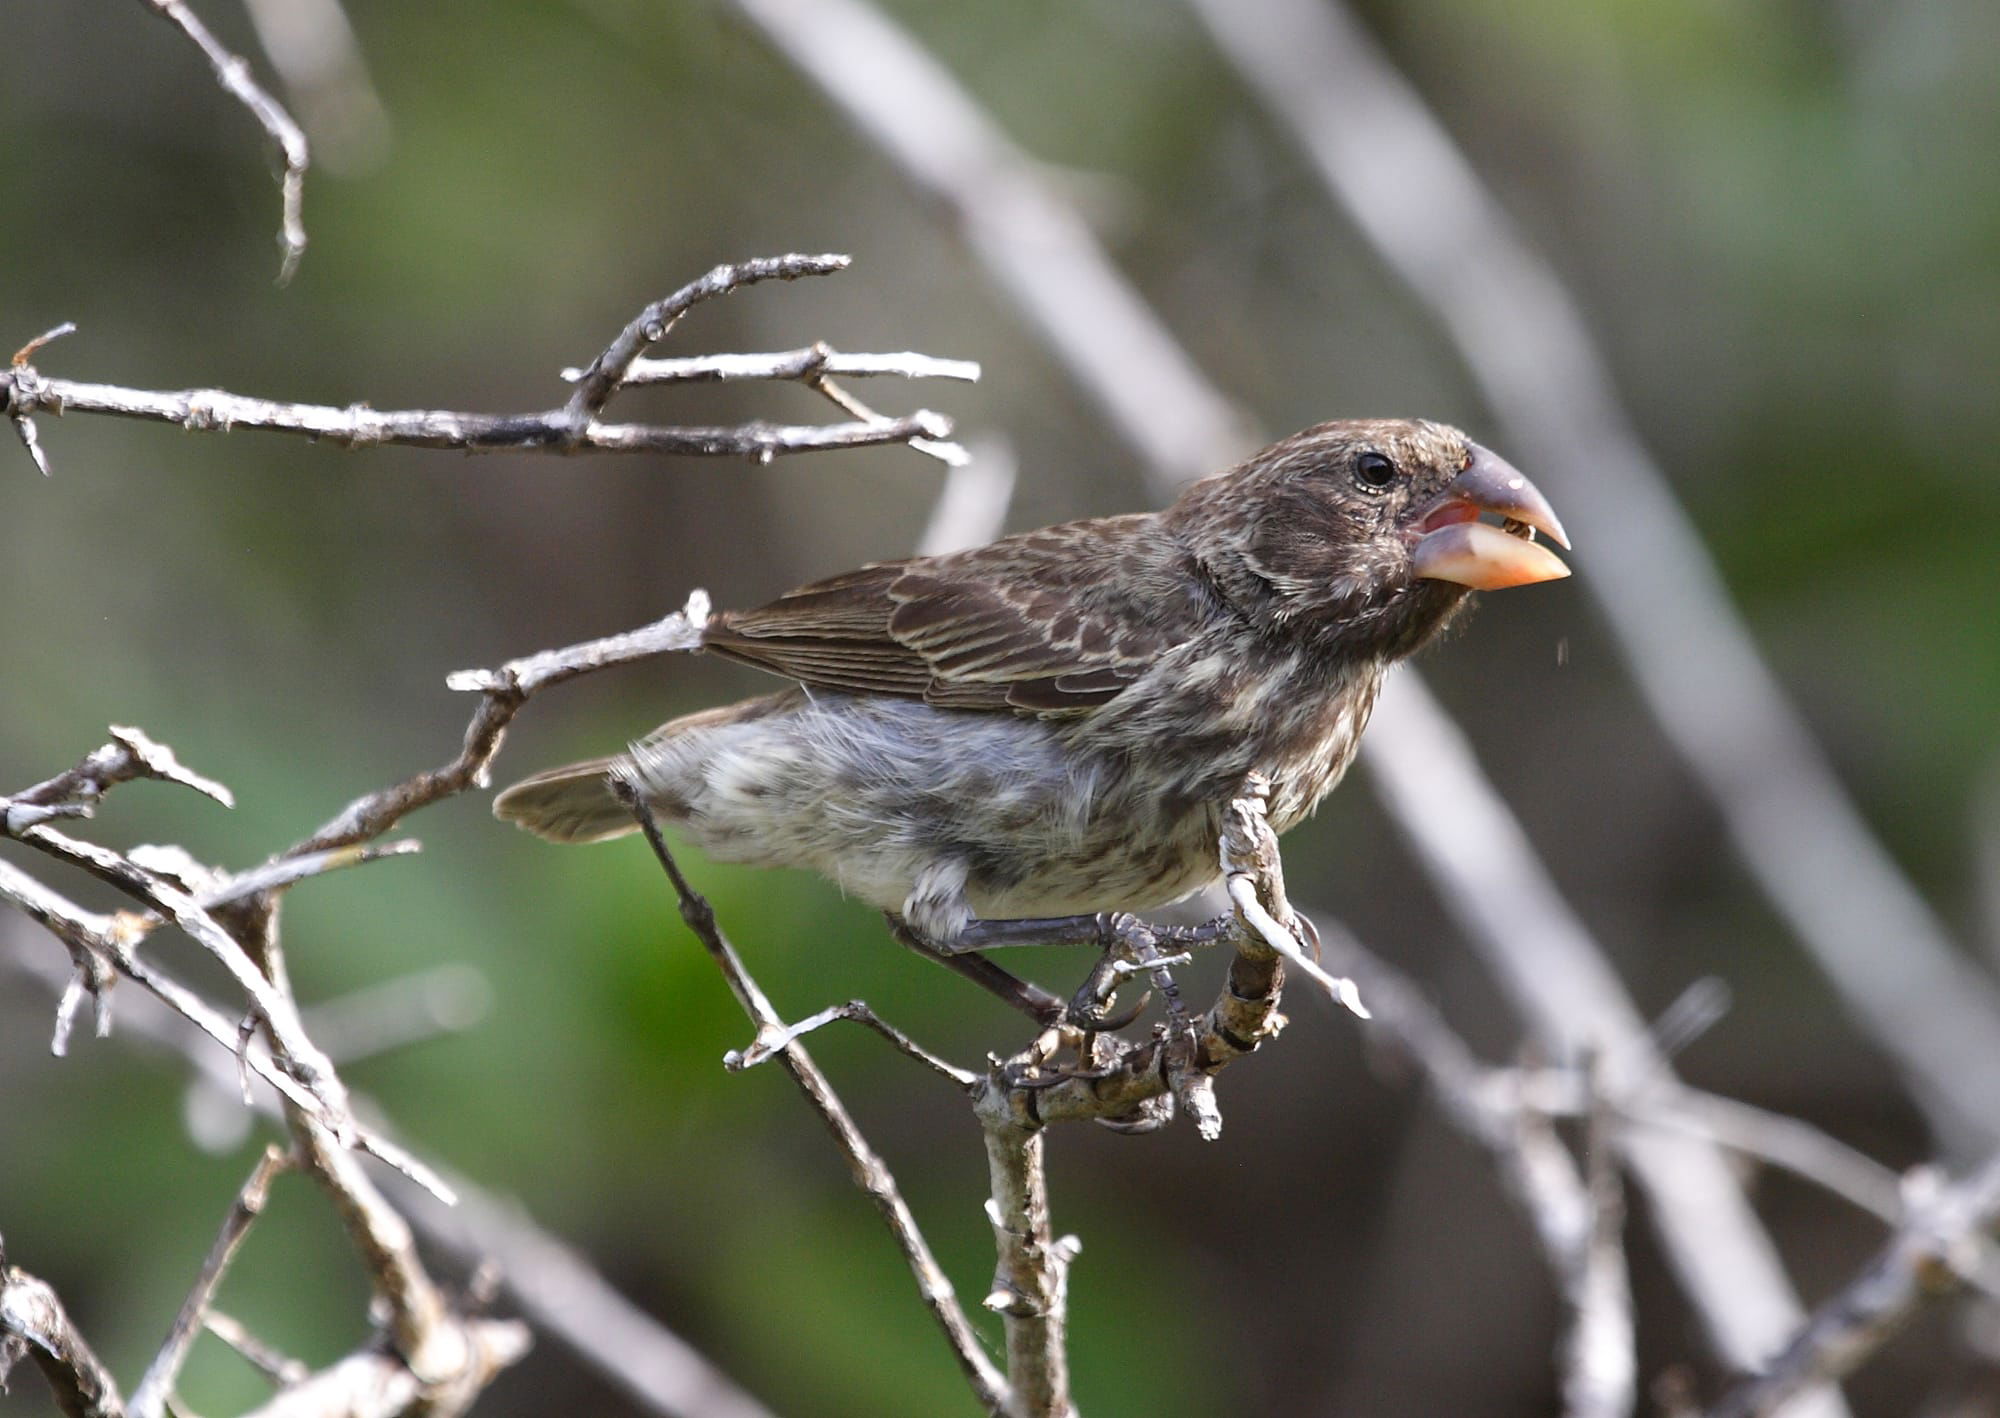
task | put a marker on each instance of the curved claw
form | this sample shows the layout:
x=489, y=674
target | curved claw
x=1149, y=1116
x=1095, y=1018
x=1310, y=932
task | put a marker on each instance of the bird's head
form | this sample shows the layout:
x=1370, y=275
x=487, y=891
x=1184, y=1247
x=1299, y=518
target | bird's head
x=1367, y=531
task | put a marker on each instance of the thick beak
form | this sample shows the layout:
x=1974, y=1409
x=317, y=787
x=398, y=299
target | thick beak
x=1456, y=546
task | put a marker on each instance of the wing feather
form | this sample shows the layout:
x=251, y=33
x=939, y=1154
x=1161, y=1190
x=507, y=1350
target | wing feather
x=1051, y=622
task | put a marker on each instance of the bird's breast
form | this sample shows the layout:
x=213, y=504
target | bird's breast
x=1311, y=737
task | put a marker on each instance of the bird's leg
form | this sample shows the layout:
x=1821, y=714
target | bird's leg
x=1127, y=942
x=1032, y=1000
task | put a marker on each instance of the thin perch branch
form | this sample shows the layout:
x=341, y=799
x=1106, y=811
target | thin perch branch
x=1031, y=1276
x=150, y=1398
x=26, y=392
x=870, y=1173
x=798, y=364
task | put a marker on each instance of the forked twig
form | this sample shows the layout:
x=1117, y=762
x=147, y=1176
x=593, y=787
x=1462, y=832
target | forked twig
x=574, y=427
x=149, y=1399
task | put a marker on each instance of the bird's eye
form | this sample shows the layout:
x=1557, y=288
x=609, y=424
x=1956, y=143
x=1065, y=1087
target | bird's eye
x=1374, y=471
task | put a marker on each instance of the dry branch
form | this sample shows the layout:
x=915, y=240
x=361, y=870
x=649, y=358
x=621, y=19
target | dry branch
x=432, y=1356
x=574, y=427
x=547, y=1280
x=33, y=1324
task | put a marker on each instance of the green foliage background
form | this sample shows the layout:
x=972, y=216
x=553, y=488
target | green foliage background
x=1785, y=221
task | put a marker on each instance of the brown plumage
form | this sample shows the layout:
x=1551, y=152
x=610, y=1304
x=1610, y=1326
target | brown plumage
x=1050, y=724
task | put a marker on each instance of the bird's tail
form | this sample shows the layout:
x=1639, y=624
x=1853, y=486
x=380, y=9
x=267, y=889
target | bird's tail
x=574, y=803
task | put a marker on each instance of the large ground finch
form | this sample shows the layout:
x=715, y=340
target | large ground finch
x=1051, y=725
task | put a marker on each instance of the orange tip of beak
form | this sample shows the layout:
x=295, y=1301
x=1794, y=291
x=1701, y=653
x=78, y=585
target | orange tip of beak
x=1483, y=557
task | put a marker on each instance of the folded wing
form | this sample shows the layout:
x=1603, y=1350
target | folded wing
x=1051, y=622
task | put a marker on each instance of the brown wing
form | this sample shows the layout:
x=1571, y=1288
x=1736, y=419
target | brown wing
x=1048, y=622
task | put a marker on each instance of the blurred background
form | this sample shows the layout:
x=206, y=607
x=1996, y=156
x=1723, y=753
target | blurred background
x=1783, y=222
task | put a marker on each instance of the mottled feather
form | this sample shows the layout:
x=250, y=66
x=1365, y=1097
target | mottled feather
x=1051, y=622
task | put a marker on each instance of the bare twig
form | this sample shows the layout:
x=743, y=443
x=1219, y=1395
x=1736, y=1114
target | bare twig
x=131, y=754
x=814, y=366
x=23, y=425
x=769, y=1045
x=791, y=364
x=150, y=1398
x=870, y=1173
x=596, y=385
x=1943, y=1241
x=289, y=871
x=1601, y=1377
x=1400, y=178
x=1256, y=886
x=234, y=75
x=33, y=1319
x=550, y=1283
x=950, y=454
x=505, y=689
x=573, y=428
x=281, y=1369
x=26, y=391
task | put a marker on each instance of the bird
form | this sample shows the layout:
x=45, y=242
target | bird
x=1004, y=744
